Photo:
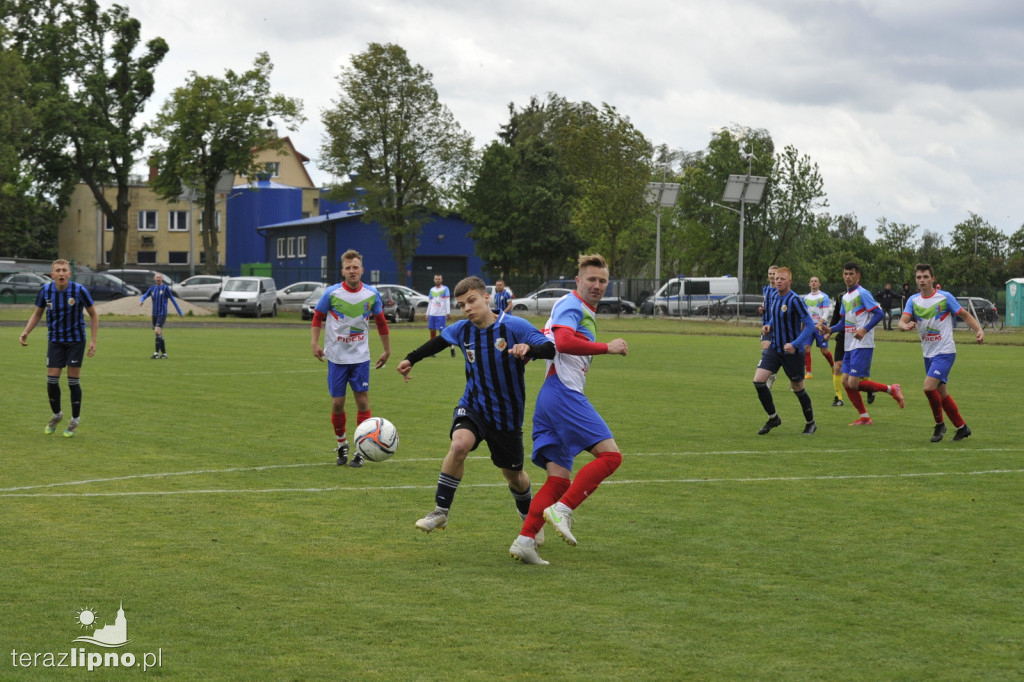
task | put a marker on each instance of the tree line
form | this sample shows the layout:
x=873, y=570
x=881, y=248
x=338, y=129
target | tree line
x=562, y=177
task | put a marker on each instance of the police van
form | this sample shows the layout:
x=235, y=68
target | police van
x=687, y=295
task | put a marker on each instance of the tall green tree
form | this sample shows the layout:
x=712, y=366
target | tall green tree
x=88, y=91
x=976, y=258
x=213, y=126
x=896, y=251
x=389, y=129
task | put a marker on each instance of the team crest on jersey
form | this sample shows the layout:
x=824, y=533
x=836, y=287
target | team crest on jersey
x=785, y=307
x=501, y=344
x=471, y=355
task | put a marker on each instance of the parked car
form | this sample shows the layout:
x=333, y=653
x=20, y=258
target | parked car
x=296, y=293
x=616, y=306
x=984, y=310
x=397, y=306
x=418, y=300
x=23, y=286
x=249, y=295
x=105, y=287
x=541, y=302
x=310, y=303
x=140, y=279
x=724, y=309
x=200, y=288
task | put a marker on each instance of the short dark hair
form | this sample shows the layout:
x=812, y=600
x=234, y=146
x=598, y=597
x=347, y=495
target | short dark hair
x=850, y=265
x=468, y=284
x=922, y=267
x=594, y=260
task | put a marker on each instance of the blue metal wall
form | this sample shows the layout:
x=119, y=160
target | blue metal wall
x=250, y=206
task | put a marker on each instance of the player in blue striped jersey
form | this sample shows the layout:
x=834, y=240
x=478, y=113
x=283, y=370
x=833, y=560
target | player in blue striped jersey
x=160, y=294
x=64, y=302
x=789, y=329
x=495, y=347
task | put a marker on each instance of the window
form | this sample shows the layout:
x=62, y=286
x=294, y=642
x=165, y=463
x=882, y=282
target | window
x=147, y=221
x=291, y=247
x=202, y=257
x=177, y=221
x=216, y=220
x=300, y=246
x=178, y=257
x=280, y=248
x=106, y=258
x=107, y=225
x=274, y=168
x=147, y=257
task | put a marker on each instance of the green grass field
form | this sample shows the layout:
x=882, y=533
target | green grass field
x=201, y=493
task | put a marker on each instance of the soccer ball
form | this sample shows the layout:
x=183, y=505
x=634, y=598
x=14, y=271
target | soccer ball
x=376, y=439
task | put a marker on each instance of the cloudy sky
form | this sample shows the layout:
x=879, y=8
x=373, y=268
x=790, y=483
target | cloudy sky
x=913, y=109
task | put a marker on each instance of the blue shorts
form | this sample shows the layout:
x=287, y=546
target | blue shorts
x=820, y=340
x=857, y=362
x=937, y=367
x=564, y=425
x=339, y=376
x=436, y=321
x=158, y=320
x=792, y=364
x=65, y=354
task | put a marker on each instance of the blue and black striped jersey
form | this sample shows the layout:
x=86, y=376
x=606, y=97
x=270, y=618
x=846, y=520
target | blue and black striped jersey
x=495, y=387
x=65, y=318
x=790, y=320
x=160, y=295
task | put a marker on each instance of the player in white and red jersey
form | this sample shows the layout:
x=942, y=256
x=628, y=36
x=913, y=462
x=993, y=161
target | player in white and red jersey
x=931, y=313
x=818, y=305
x=347, y=309
x=564, y=421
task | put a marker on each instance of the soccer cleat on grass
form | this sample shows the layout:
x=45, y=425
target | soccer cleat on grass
x=862, y=421
x=155, y=356
x=357, y=461
x=809, y=375
x=769, y=425
x=810, y=428
x=342, y=451
x=871, y=397
x=51, y=425
x=837, y=402
x=163, y=356
x=525, y=549
x=939, y=432
x=69, y=432
x=434, y=520
x=561, y=522
x=897, y=394
x=962, y=432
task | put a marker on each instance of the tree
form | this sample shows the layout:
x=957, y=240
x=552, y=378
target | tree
x=977, y=256
x=88, y=90
x=212, y=126
x=409, y=154
x=896, y=250
x=520, y=207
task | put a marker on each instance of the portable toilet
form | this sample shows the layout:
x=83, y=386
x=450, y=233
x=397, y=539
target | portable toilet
x=1014, y=313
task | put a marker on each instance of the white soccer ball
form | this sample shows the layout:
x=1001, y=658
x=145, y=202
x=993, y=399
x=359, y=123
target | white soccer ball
x=376, y=439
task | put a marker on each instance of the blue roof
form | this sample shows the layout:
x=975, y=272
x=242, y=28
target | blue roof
x=315, y=220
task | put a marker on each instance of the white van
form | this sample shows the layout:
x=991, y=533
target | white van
x=683, y=295
x=248, y=296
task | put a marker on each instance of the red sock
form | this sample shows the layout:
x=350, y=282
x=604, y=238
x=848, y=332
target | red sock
x=857, y=401
x=362, y=416
x=548, y=494
x=873, y=386
x=338, y=420
x=590, y=476
x=949, y=405
x=935, y=402
x=807, y=362
x=828, y=356
x=433, y=333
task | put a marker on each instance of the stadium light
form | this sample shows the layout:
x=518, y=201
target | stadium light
x=743, y=189
x=662, y=195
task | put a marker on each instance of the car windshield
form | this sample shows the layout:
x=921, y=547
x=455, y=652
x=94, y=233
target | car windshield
x=241, y=285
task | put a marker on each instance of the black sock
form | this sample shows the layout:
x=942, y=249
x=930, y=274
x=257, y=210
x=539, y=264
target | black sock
x=765, y=396
x=53, y=393
x=522, y=499
x=76, y=397
x=446, y=486
x=805, y=404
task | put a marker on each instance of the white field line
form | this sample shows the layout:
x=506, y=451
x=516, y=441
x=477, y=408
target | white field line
x=22, y=491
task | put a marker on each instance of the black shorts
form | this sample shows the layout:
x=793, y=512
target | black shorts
x=792, y=364
x=65, y=354
x=506, y=446
x=158, y=320
x=840, y=347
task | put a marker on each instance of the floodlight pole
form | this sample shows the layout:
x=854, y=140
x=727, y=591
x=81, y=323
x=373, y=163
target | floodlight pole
x=662, y=195
x=744, y=189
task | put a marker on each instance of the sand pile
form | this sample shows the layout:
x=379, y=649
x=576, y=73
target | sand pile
x=130, y=306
